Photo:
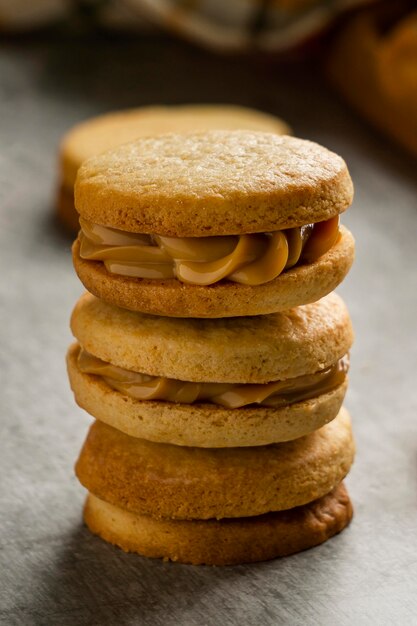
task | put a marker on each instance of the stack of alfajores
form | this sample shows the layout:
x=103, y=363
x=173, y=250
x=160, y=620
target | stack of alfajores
x=210, y=348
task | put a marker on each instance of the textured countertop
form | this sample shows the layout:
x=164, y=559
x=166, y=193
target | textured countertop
x=52, y=571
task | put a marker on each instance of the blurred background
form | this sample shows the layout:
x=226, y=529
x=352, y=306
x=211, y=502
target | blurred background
x=119, y=53
x=340, y=72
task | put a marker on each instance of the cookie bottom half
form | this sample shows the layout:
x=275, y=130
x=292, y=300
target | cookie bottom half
x=171, y=298
x=177, y=482
x=200, y=425
x=226, y=541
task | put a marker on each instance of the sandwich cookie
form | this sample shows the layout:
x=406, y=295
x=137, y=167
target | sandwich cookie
x=108, y=131
x=216, y=224
x=221, y=542
x=211, y=383
x=177, y=482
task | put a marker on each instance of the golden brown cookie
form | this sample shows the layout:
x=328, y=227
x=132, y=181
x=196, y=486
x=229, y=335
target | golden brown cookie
x=179, y=482
x=222, y=542
x=291, y=346
x=111, y=130
x=213, y=183
x=301, y=285
x=244, y=350
x=215, y=224
x=202, y=425
x=108, y=131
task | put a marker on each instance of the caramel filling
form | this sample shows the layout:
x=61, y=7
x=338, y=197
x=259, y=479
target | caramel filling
x=231, y=396
x=247, y=259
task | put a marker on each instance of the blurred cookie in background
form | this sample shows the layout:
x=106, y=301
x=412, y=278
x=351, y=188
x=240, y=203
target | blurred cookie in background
x=108, y=131
x=374, y=66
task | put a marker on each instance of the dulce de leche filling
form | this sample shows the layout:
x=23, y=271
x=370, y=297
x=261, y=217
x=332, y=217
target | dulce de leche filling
x=232, y=396
x=247, y=259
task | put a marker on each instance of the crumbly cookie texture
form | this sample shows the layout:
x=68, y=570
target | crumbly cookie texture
x=177, y=482
x=213, y=183
x=217, y=542
x=171, y=298
x=106, y=132
x=201, y=425
x=243, y=350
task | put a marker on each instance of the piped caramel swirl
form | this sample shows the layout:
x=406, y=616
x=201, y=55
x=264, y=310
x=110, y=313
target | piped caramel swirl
x=252, y=259
x=232, y=396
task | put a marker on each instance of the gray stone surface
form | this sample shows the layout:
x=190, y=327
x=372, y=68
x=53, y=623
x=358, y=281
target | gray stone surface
x=51, y=570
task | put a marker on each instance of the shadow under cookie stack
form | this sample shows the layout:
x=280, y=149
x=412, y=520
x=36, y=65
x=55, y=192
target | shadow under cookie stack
x=210, y=349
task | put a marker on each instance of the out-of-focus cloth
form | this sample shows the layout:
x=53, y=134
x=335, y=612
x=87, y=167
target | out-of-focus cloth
x=231, y=25
x=24, y=15
x=374, y=66
x=18, y=15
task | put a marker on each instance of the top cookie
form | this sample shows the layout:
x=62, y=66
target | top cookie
x=108, y=131
x=245, y=350
x=213, y=183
